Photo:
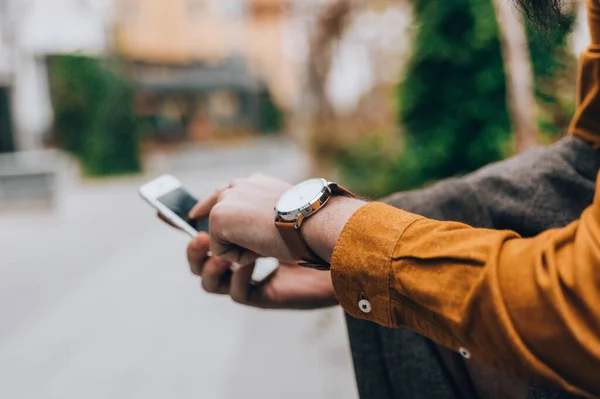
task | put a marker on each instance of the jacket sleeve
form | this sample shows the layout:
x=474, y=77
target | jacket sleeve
x=528, y=306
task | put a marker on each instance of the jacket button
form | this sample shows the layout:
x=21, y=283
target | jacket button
x=364, y=306
x=464, y=352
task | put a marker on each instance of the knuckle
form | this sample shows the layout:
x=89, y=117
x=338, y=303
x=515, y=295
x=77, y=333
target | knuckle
x=217, y=213
x=196, y=268
x=195, y=272
x=237, y=182
x=223, y=195
x=190, y=254
x=207, y=286
x=219, y=220
x=237, y=298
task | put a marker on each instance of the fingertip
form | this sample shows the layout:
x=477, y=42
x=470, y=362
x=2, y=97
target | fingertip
x=202, y=239
x=199, y=244
x=194, y=212
x=241, y=281
x=216, y=276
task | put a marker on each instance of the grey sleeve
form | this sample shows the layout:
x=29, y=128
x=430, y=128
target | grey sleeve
x=451, y=199
x=542, y=188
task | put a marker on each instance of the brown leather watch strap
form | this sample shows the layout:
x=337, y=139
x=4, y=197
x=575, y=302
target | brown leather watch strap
x=295, y=241
x=339, y=190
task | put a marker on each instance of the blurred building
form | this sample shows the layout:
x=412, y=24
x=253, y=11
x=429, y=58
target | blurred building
x=197, y=62
x=207, y=61
x=29, y=31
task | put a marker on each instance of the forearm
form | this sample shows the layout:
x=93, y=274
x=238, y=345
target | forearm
x=514, y=303
x=322, y=230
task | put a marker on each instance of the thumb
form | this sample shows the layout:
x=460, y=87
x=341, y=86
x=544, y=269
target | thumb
x=233, y=253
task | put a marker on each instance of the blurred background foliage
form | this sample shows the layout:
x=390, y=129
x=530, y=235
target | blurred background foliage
x=445, y=115
x=554, y=67
x=93, y=117
x=382, y=95
x=452, y=109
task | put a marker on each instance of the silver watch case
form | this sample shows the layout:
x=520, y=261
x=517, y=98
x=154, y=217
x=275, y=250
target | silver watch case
x=298, y=215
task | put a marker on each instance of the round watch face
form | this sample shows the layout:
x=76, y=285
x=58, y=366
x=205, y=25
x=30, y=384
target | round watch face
x=300, y=195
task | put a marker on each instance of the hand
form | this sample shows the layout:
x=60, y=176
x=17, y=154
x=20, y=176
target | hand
x=291, y=287
x=241, y=219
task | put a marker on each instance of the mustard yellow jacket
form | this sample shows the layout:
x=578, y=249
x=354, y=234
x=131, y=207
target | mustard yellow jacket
x=530, y=307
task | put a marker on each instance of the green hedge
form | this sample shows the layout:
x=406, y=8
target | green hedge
x=555, y=70
x=453, y=99
x=93, y=117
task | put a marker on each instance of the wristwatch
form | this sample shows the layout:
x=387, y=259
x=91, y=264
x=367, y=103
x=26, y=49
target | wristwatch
x=294, y=206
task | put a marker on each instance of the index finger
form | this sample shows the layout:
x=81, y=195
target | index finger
x=198, y=252
x=203, y=208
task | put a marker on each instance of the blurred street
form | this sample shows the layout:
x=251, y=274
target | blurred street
x=96, y=299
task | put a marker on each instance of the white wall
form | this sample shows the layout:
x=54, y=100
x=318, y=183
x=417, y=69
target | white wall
x=39, y=28
x=5, y=53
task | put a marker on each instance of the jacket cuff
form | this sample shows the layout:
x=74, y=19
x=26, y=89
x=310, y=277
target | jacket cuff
x=362, y=258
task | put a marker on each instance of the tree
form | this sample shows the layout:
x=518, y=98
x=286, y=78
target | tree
x=453, y=97
x=328, y=28
x=452, y=101
x=519, y=76
x=93, y=116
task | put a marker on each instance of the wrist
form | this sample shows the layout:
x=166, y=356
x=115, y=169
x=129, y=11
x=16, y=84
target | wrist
x=322, y=230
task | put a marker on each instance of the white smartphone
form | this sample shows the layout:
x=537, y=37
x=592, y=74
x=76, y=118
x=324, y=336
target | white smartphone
x=173, y=201
x=168, y=196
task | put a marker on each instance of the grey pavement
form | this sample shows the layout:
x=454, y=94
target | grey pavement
x=96, y=300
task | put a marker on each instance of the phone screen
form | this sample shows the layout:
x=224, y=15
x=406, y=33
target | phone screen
x=181, y=203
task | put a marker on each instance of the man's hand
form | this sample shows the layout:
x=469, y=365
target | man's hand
x=242, y=221
x=291, y=287
x=242, y=229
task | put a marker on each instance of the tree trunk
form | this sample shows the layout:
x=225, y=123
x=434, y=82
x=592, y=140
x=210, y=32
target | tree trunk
x=519, y=75
x=328, y=29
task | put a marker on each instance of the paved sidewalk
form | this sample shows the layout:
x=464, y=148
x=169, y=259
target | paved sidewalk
x=96, y=301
